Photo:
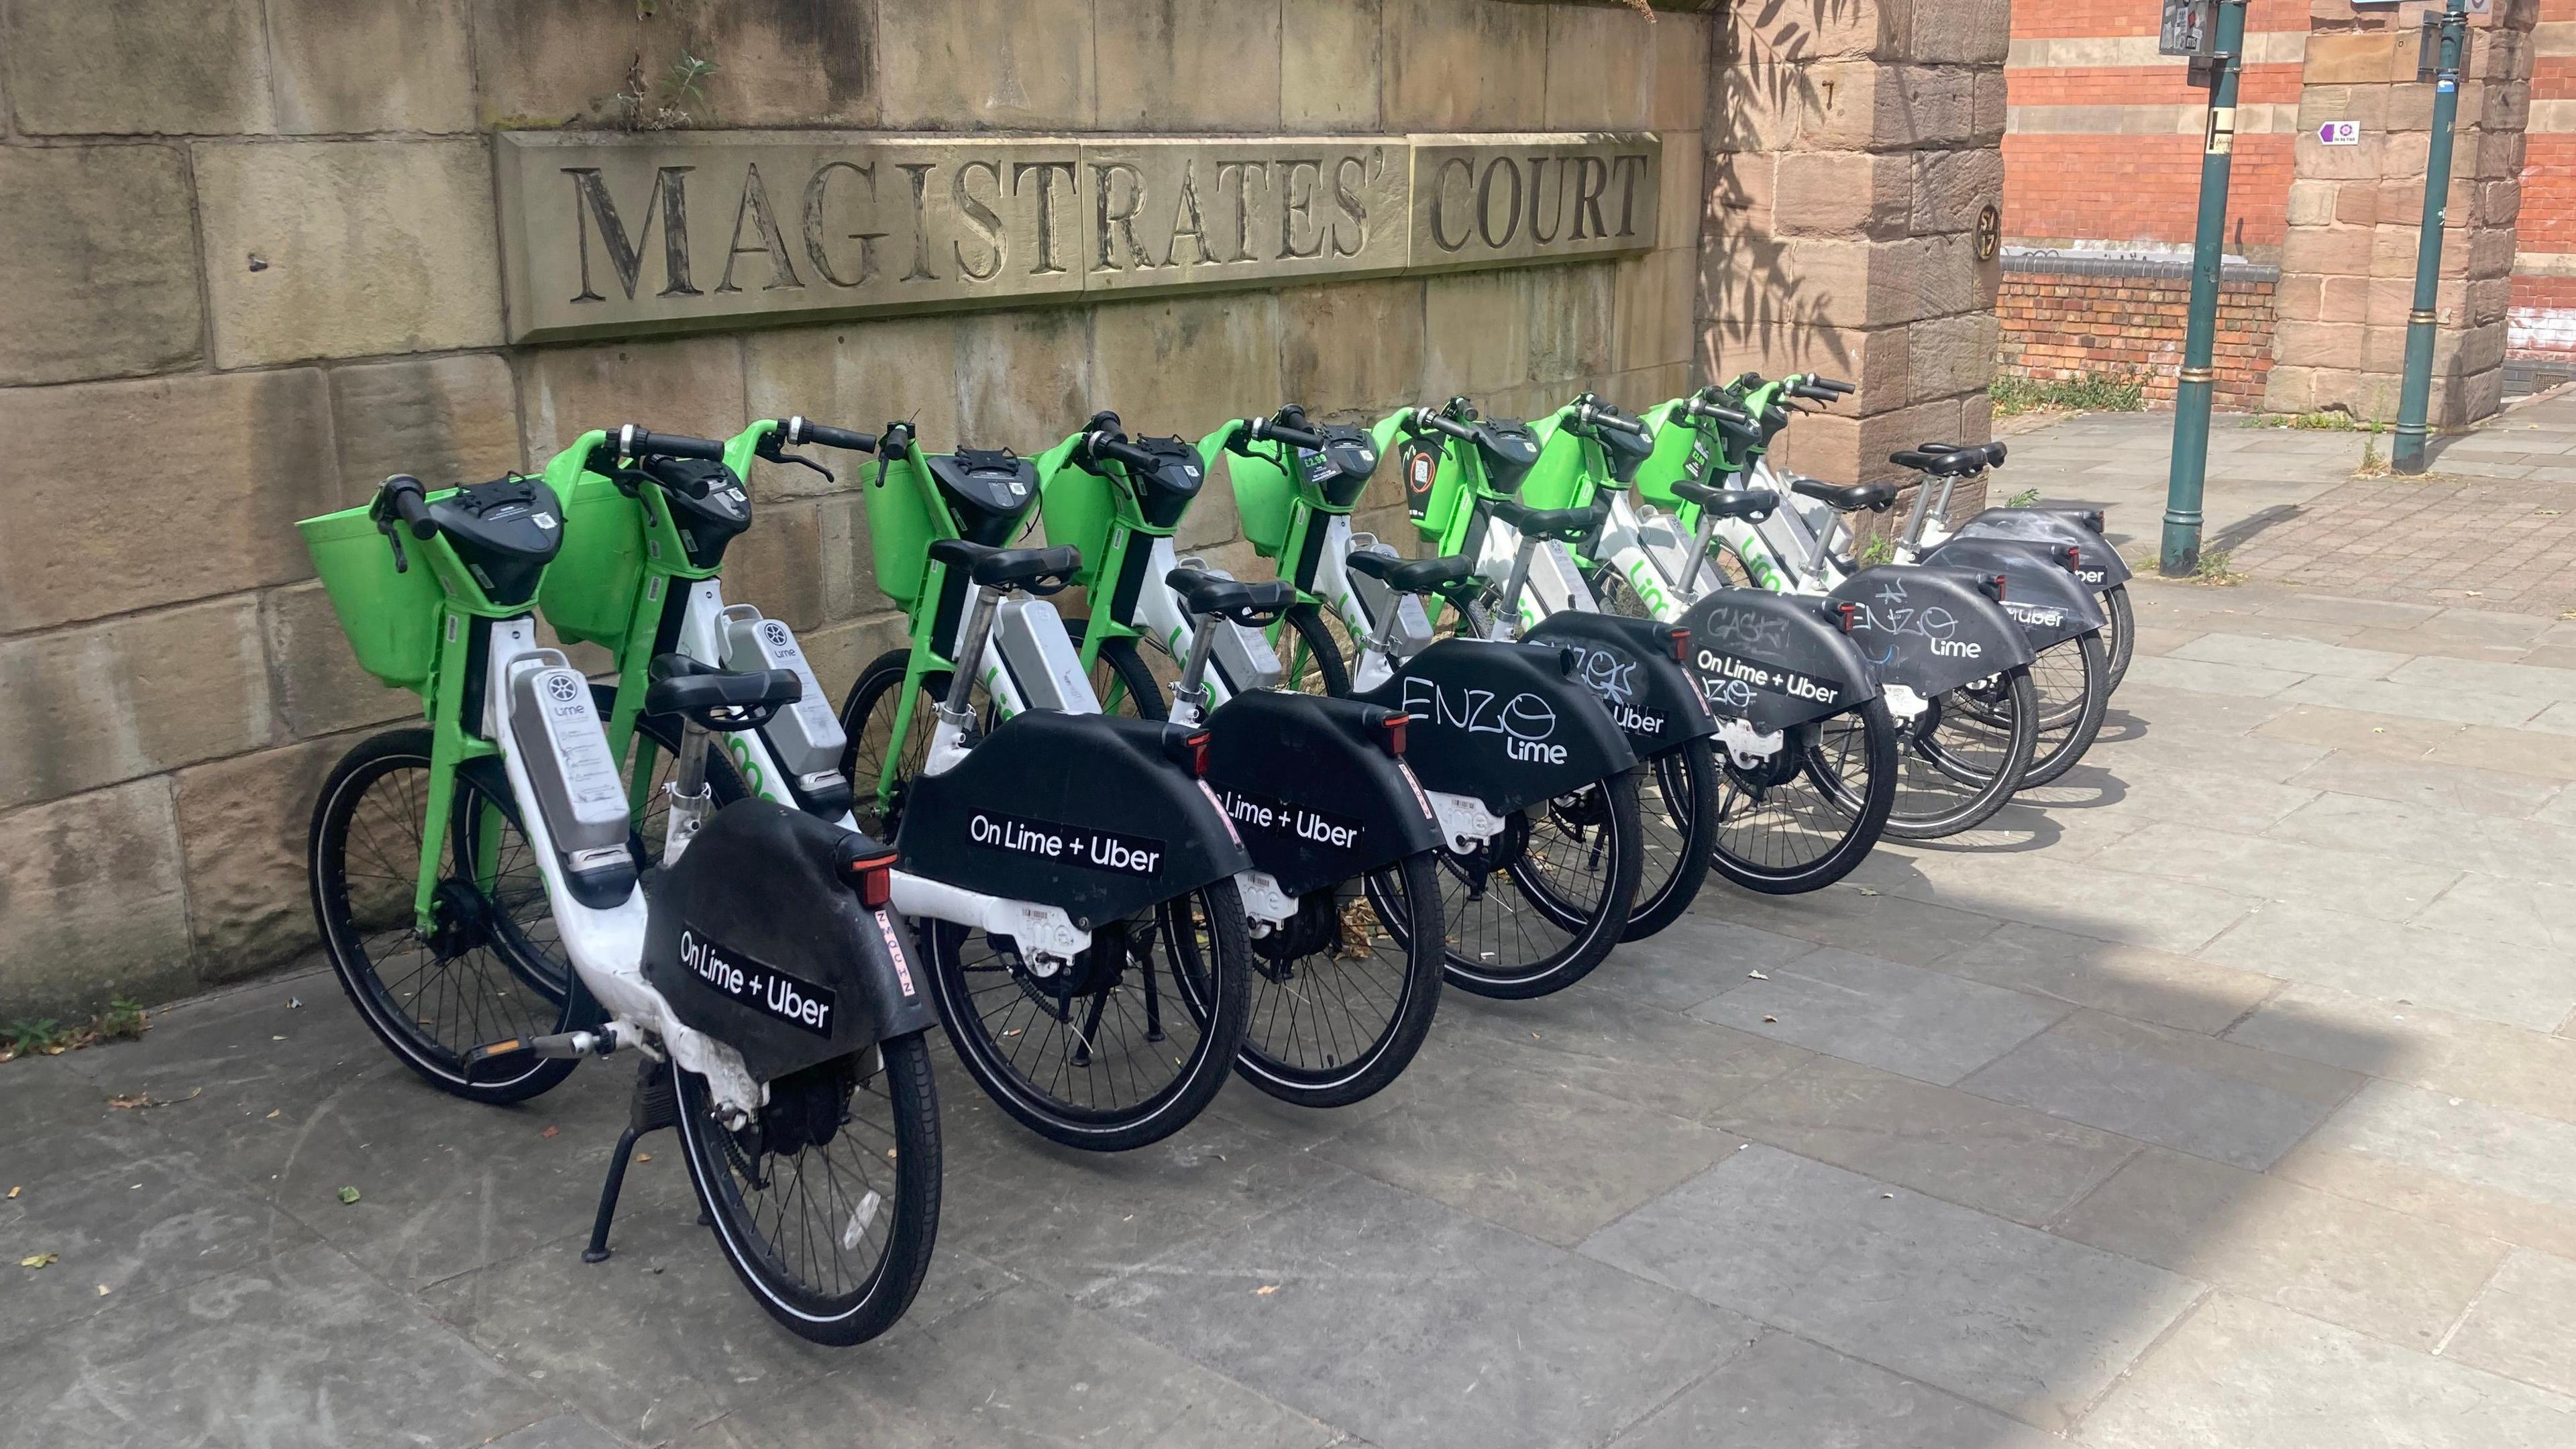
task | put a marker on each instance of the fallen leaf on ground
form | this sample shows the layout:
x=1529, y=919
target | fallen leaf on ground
x=276, y=1111
x=40, y=1260
x=13, y=1192
x=348, y=1195
x=643, y=1156
x=549, y=1132
x=1770, y=1018
x=1868, y=891
x=102, y=1290
x=1758, y=976
x=1265, y=1290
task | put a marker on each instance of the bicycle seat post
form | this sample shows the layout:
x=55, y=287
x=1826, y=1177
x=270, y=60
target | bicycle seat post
x=1507, y=608
x=956, y=709
x=691, y=800
x=1700, y=541
x=1189, y=693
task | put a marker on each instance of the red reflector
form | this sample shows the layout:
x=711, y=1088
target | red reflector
x=1394, y=726
x=874, y=881
x=2074, y=559
x=1198, y=744
x=1999, y=588
x=1680, y=639
x=1848, y=611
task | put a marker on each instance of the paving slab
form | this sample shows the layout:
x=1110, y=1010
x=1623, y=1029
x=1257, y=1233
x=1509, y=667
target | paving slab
x=2199, y=676
x=1416, y=1326
x=2292, y=655
x=1645, y=1055
x=1853, y=917
x=2401, y=1278
x=2243, y=1372
x=2440, y=1051
x=2178, y=1089
x=2146, y=791
x=2522, y=985
x=2078, y=898
x=2388, y=696
x=1689, y=961
x=2453, y=787
x=1904, y=1019
x=1945, y=1143
x=2529, y=850
x=303, y=1349
x=2519, y=1325
x=1787, y=1391
x=2487, y=908
x=2132, y=981
x=2338, y=880
x=2013, y=1318
x=1089, y=1382
x=2472, y=677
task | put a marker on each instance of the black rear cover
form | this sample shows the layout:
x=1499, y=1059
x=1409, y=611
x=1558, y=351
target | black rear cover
x=2098, y=564
x=1503, y=723
x=757, y=941
x=1629, y=666
x=1316, y=797
x=1774, y=660
x=1929, y=628
x=1077, y=811
x=2051, y=604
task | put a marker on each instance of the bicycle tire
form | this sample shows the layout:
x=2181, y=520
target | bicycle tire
x=528, y=994
x=1283, y=1041
x=1677, y=796
x=1317, y=660
x=1932, y=809
x=2121, y=635
x=1843, y=831
x=2068, y=730
x=762, y=1256
x=1589, y=931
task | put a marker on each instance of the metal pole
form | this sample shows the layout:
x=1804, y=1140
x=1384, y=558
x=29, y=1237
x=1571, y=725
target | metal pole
x=2415, y=387
x=2192, y=390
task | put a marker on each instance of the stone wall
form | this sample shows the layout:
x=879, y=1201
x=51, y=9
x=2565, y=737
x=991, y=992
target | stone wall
x=256, y=271
x=2069, y=317
x=1853, y=151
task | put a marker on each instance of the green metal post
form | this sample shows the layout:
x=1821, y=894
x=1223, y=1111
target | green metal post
x=2415, y=386
x=2192, y=390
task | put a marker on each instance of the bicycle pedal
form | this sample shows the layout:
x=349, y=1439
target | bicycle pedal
x=480, y=1060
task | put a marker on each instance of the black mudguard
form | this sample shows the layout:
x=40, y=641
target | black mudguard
x=2050, y=603
x=2097, y=563
x=1312, y=790
x=1929, y=629
x=1628, y=665
x=1077, y=811
x=1774, y=660
x=1504, y=723
x=758, y=940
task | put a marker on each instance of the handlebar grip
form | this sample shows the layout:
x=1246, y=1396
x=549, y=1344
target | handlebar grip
x=1718, y=412
x=1451, y=426
x=806, y=430
x=1127, y=453
x=1633, y=427
x=1835, y=386
x=635, y=442
x=409, y=502
x=1293, y=437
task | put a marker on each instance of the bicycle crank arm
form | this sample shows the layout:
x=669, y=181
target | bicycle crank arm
x=561, y=1046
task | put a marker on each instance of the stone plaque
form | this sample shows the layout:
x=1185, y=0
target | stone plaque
x=607, y=234
x=1485, y=199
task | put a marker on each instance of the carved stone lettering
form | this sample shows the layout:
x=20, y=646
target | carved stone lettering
x=599, y=237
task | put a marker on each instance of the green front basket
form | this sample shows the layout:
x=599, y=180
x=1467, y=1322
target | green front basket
x=589, y=590
x=391, y=618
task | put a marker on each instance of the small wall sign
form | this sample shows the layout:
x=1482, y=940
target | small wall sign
x=2339, y=133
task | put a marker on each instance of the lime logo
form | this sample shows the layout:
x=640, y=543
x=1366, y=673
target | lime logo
x=1650, y=591
x=993, y=687
x=754, y=778
x=1758, y=565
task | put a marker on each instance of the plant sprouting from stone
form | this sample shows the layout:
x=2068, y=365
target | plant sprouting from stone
x=2026, y=498
x=677, y=100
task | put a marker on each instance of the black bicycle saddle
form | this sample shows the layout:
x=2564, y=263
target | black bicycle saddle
x=1560, y=523
x=1875, y=496
x=1038, y=570
x=1412, y=576
x=1750, y=504
x=1248, y=604
x=720, y=699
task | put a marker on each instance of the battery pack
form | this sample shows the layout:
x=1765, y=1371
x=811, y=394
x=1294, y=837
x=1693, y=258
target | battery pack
x=1040, y=656
x=806, y=737
x=565, y=752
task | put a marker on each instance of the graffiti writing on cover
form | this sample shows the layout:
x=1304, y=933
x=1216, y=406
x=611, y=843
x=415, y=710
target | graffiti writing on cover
x=1613, y=676
x=1526, y=722
x=1750, y=630
x=1930, y=622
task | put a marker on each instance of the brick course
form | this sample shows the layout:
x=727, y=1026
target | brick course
x=2065, y=325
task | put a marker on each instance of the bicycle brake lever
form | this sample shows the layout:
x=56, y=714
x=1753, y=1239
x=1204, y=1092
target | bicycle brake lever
x=801, y=461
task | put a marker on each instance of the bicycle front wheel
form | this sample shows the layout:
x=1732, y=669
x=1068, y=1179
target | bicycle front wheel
x=2121, y=638
x=827, y=1202
x=1120, y=1048
x=488, y=967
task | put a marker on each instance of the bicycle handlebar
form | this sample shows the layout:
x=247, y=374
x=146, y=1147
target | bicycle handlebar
x=1822, y=389
x=634, y=442
x=1426, y=418
x=1260, y=428
x=406, y=499
x=1718, y=412
x=1117, y=450
x=1604, y=418
x=801, y=430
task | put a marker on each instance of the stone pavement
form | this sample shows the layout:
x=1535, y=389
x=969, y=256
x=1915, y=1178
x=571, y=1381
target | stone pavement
x=2224, y=1097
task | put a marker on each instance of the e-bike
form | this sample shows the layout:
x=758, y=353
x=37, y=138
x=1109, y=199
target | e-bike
x=479, y=900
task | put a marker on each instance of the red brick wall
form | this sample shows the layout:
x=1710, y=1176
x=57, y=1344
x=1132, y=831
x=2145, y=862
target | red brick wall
x=2059, y=326
x=2140, y=189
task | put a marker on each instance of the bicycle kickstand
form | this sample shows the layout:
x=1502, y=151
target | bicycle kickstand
x=652, y=1108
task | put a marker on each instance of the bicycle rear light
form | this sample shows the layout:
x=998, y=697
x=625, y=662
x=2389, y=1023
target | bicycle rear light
x=873, y=879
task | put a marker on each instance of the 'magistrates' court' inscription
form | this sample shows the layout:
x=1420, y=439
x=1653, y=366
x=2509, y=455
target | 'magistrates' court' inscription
x=606, y=235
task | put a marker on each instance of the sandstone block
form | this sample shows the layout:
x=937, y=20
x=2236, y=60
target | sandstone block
x=839, y=651
x=2329, y=250
x=2290, y=390
x=854, y=375
x=1841, y=194
x=372, y=65
x=444, y=420
x=1655, y=300
x=2318, y=344
x=1992, y=111
x=1461, y=65
x=1182, y=365
x=345, y=248
x=103, y=251
x=1952, y=187
x=2312, y=202
x=778, y=564
x=1950, y=356
x=137, y=695
x=2347, y=299
x=149, y=67
x=2358, y=57
x=1024, y=379
x=1353, y=349
x=1229, y=48
x=96, y=904
x=1682, y=193
x=2300, y=298
x=546, y=62
x=989, y=62
x=1972, y=32
x=1600, y=69
x=2357, y=203
x=1328, y=77
x=849, y=572
x=693, y=385
x=778, y=62
x=1680, y=62
x=1476, y=332
x=319, y=688
x=243, y=824
x=1572, y=311
x=199, y=498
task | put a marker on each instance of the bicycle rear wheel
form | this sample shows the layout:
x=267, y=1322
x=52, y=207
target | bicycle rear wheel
x=827, y=1202
x=1799, y=819
x=1317, y=650
x=1962, y=758
x=1534, y=909
x=2121, y=637
x=489, y=968
x=1677, y=808
x=1343, y=996
x=2071, y=678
